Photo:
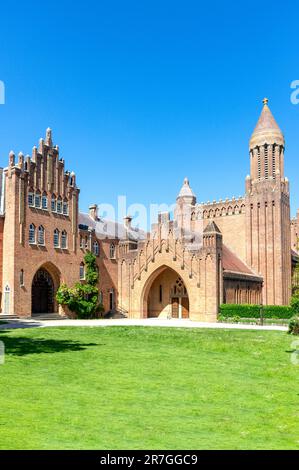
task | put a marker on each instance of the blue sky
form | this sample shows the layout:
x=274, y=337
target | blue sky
x=140, y=94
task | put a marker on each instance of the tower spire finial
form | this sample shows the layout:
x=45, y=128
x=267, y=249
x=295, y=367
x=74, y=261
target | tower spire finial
x=267, y=130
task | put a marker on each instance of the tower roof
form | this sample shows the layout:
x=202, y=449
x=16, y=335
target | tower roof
x=267, y=130
x=211, y=228
x=186, y=191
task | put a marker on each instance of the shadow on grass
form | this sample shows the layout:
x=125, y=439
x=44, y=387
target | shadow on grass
x=18, y=324
x=19, y=346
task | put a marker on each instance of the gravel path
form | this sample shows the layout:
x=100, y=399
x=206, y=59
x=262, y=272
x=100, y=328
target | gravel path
x=31, y=323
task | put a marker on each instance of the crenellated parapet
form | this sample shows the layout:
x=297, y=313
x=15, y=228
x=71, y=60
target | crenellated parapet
x=223, y=208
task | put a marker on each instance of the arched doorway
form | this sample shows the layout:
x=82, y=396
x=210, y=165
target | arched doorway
x=43, y=292
x=166, y=296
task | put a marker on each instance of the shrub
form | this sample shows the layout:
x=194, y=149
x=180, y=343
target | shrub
x=295, y=302
x=294, y=326
x=254, y=311
x=82, y=299
x=236, y=319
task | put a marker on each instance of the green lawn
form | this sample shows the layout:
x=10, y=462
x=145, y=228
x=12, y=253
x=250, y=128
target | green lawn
x=143, y=388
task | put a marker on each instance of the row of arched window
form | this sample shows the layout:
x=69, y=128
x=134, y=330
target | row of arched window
x=207, y=214
x=37, y=237
x=40, y=201
x=84, y=244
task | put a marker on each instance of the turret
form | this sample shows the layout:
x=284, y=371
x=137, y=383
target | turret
x=186, y=195
x=185, y=203
x=268, y=232
x=266, y=147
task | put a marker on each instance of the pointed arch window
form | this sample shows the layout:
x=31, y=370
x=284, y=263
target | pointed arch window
x=111, y=299
x=32, y=239
x=96, y=250
x=266, y=161
x=53, y=203
x=41, y=235
x=6, y=306
x=44, y=201
x=56, y=238
x=31, y=198
x=22, y=278
x=273, y=161
x=65, y=208
x=259, y=163
x=112, y=251
x=37, y=200
x=59, y=205
x=82, y=272
x=63, y=239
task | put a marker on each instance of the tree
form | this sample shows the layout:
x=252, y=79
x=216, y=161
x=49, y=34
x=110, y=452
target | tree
x=83, y=298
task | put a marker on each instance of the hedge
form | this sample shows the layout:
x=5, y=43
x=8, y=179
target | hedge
x=253, y=311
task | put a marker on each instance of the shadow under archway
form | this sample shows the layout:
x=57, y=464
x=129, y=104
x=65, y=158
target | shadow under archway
x=43, y=290
x=165, y=295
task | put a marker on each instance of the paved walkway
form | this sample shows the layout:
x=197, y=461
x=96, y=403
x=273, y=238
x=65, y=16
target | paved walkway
x=31, y=323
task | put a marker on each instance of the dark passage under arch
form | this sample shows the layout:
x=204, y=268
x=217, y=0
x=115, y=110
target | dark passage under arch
x=42, y=292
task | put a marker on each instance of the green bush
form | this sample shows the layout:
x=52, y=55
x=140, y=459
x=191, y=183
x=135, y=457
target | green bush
x=82, y=299
x=295, y=302
x=254, y=311
x=294, y=326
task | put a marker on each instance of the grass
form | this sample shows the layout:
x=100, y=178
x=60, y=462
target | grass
x=147, y=388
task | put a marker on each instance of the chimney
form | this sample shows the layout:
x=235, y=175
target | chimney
x=93, y=211
x=163, y=218
x=128, y=222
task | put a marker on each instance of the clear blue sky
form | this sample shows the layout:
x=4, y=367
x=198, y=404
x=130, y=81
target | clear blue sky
x=140, y=94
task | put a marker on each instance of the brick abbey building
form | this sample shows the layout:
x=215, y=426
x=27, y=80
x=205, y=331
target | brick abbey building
x=235, y=251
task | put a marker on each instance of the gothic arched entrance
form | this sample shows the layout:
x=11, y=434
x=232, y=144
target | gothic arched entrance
x=166, y=296
x=43, y=290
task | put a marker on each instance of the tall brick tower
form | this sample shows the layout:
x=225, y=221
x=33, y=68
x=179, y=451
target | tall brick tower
x=268, y=235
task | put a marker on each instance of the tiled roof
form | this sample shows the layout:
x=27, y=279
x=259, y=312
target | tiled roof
x=212, y=227
x=109, y=229
x=231, y=262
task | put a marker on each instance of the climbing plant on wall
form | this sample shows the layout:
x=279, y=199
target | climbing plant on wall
x=83, y=298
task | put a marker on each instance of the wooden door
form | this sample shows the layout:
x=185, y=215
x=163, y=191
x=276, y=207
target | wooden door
x=175, y=307
x=185, y=307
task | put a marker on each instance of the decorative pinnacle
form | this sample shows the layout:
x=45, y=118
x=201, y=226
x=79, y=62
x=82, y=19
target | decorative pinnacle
x=49, y=137
x=265, y=101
